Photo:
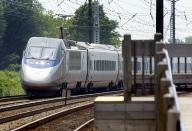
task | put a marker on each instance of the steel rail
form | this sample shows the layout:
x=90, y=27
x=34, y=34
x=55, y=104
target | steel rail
x=84, y=125
x=12, y=98
x=33, y=112
x=27, y=113
x=53, y=100
x=51, y=117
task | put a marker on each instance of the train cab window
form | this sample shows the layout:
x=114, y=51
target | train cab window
x=48, y=53
x=40, y=53
x=41, y=57
x=33, y=52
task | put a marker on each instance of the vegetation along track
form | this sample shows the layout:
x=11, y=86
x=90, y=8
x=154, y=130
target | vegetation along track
x=17, y=115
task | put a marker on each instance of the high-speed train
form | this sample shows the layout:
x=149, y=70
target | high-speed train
x=49, y=65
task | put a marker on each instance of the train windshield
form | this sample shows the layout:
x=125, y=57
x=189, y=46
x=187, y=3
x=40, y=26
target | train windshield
x=48, y=53
x=45, y=53
x=41, y=57
x=33, y=52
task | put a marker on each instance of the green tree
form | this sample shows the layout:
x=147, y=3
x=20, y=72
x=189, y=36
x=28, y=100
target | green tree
x=188, y=40
x=51, y=24
x=23, y=22
x=79, y=29
x=2, y=23
x=10, y=60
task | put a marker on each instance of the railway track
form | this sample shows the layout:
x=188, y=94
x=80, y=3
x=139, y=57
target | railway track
x=13, y=99
x=38, y=124
x=20, y=116
x=86, y=126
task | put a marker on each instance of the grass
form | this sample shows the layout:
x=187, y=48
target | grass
x=10, y=83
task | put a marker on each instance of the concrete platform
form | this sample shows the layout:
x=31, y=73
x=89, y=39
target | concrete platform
x=112, y=113
x=186, y=112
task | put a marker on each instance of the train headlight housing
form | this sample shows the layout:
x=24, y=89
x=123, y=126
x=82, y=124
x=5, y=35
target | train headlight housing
x=40, y=63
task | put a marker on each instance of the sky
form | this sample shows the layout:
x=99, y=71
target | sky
x=135, y=17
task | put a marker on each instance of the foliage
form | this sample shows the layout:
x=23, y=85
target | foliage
x=188, y=40
x=2, y=23
x=13, y=67
x=10, y=60
x=10, y=83
x=79, y=29
x=23, y=22
x=51, y=24
x=177, y=41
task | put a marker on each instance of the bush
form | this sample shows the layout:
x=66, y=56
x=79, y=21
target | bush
x=13, y=67
x=9, y=60
x=10, y=83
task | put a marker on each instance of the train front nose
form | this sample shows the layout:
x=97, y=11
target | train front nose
x=36, y=77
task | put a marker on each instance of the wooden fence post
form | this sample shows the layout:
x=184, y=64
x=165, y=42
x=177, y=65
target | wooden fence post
x=127, y=73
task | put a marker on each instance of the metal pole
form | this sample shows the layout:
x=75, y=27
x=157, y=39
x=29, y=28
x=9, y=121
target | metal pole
x=61, y=31
x=90, y=21
x=96, y=26
x=172, y=26
x=159, y=16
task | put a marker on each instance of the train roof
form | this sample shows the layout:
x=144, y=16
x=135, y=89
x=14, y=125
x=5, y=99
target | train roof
x=86, y=45
x=69, y=44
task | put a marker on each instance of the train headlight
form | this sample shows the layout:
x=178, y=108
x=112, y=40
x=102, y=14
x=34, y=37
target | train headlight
x=40, y=63
x=52, y=63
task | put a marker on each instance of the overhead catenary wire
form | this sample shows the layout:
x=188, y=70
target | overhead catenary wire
x=119, y=12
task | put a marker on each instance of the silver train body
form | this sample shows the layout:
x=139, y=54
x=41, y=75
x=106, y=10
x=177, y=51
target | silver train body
x=50, y=64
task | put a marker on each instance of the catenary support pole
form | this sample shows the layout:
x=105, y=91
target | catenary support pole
x=126, y=50
x=159, y=16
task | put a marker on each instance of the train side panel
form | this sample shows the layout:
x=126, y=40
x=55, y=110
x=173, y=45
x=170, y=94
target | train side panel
x=103, y=68
x=76, y=67
x=120, y=66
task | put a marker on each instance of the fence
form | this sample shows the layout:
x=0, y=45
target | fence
x=167, y=106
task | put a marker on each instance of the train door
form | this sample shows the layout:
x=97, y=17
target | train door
x=62, y=60
x=84, y=66
x=91, y=66
x=118, y=67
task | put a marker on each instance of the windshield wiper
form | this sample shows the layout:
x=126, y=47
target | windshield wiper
x=49, y=57
x=32, y=58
